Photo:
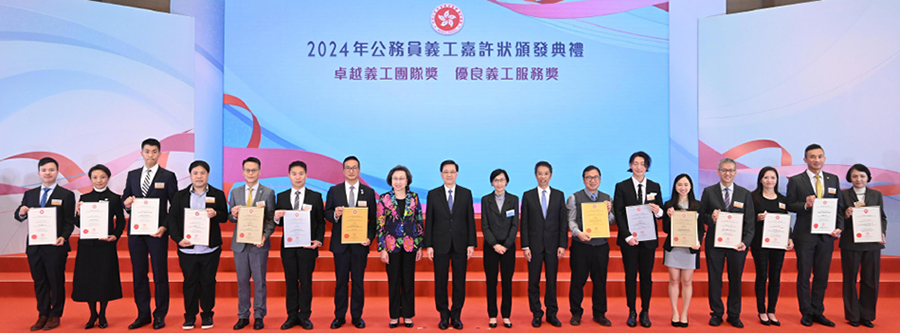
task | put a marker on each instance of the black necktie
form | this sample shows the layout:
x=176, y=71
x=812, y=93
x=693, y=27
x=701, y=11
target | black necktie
x=641, y=193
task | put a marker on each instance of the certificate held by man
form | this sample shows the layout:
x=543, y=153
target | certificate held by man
x=297, y=232
x=42, y=226
x=641, y=222
x=355, y=222
x=824, y=214
x=196, y=226
x=250, y=225
x=94, y=220
x=684, y=229
x=776, y=231
x=145, y=216
x=867, y=224
x=729, y=227
x=595, y=219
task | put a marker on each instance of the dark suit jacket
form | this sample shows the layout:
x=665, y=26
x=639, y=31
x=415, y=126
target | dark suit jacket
x=544, y=234
x=799, y=187
x=65, y=212
x=444, y=228
x=711, y=199
x=316, y=215
x=625, y=196
x=182, y=200
x=495, y=225
x=165, y=194
x=667, y=222
x=873, y=198
x=337, y=197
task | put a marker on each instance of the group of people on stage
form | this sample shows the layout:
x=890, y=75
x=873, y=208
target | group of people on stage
x=447, y=236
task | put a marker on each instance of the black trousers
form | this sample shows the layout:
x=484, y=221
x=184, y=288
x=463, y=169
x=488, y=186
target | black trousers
x=158, y=249
x=768, y=264
x=638, y=258
x=350, y=266
x=299, y=265
x=716, y=259
x=48, y=270
x=442, y=263
x=199, y=282
x=588, y=260
x=813, y=256
x=507, y=265
x=867, y=264
x=549, y=263
x=401, y=272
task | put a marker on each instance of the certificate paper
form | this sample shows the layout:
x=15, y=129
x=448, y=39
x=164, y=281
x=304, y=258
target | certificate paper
x=729, y=227
x=196, y=226
x=684, y=229
x=867, y=224
x=297, y=231
x=355, y=222
x=641, y=222
x=42, y=226
x=144, y=216
x=824, y=213
x=595, y=219
x=250, y=225
x=94, y=220
x=776, y=231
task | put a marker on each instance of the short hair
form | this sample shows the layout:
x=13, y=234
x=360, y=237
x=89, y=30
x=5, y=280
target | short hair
x=100, y=167
x=642, y=155
x=543, y=164
x=352, y=158
x=297, y=164
x=399, y=168
x=812, y=147
x=200, y=163
x=498, y=172
x=588, y=169
x=252, y=159
x=726, y=160
x=46, y=160
x=861, y=168
x=151, y=142
x=448, y=162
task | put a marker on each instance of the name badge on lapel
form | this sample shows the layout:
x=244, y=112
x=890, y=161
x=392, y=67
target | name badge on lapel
x=361, y=203
x=832, y=190
x=159, y=185
x=210, y=200
x=56, y=202
x=306, y=207
x=260, y=204
x=859, y=204
x=651, y=196
x=738, y=204
x=511, y=213
x=781, y=205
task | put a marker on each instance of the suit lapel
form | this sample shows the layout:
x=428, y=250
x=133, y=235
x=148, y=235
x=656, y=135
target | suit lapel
x=342, y=190
x=239, y=198
x=633, y=192
x=492, y=203
x=871, y=200
x=717, y=190
x=807, y=182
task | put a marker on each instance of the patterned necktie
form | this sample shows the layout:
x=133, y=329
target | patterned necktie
x=44, y=197
x=297, y=200
x=641, y=193
x=250, y=197
x=450, y=199
x=819, y=189
x=145, y=185
x=544, y=203
x=352, y=202
x=593, y=197
x=727, y=198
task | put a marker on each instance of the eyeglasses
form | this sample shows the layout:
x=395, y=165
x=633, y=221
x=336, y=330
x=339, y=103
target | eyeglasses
x=353, y=168
x=728, y=170
x=251, y=170
x=448, y=172
x=592, y=177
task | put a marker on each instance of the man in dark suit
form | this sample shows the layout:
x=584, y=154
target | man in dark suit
x=48, y=262
x=726, y=197
x=637, y=256
x=199, y=263
x=150, y=181
x=813, y=250
x=300, y=262
x=544, y=240
x=449, y=238
x=349, y=259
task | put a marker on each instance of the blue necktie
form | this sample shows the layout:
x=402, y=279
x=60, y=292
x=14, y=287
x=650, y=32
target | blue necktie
x=593, y=197
x=727, y=199
x=450, y=199
x=544, y=202
x=44, y=197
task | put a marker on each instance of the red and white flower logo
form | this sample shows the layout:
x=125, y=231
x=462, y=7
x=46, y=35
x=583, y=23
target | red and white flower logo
x=447, y=19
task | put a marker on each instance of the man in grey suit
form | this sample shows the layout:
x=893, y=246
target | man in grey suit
x=249, y=260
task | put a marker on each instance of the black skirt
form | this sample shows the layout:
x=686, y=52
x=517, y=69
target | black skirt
x=96, y=272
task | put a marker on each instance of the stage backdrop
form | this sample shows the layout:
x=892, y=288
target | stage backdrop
x=490, y=84
x=774, y=81
x=85, y=83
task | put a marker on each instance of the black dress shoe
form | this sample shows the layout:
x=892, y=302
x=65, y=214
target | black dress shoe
x=101, y=322
x=290, y=322
x=393, y=324
x=632, y=319
x=258, y=324
x=852, y=323
x=765, y=322
x=775, y=322
x=536, y=322
x=138, y=323
x=494, y=324
x=645, y=319
x=553, y=321
x=444, y=324
x=159, y=322
x=676, y=324
x=358, y=323
x=806, y=320
x=575, y=321
x=241, y=323
x=456, y=323
x=822, y=320
x=715, y=320
x=93, y=320
x=338, y=322
x=408, y=322
x=507, y=325
x=306, y=324
x=736, y=322
x=866, y=323
x=684, y=324
x=602, y=321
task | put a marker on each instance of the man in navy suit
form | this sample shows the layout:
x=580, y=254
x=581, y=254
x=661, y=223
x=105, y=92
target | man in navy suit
x=48, y=262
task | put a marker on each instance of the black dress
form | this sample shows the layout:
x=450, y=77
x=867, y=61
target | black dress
x=97, y=262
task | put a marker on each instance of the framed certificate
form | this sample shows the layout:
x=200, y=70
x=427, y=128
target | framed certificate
x=684, y=229
x=196, y=226
x=297, y=232
x=776, y=231
x=867, y=224
x=595, y=219
x=641, y=222
x=354, y=225
x=729, y=227
x=144, y=216
x=94, y=220
x=824, y=216
x=42, y=226
x=250, y=225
